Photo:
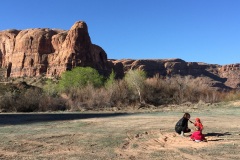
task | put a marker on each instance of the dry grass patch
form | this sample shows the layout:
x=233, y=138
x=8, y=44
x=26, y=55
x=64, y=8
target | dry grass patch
x=137, y=136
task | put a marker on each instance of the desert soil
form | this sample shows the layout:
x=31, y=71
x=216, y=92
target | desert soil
x=147, y=135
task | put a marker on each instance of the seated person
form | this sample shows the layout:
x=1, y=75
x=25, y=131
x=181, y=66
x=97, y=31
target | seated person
x=181, y=126
x=197, y=136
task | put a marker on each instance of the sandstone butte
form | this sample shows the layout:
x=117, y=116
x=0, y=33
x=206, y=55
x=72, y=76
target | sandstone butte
x=49, y=52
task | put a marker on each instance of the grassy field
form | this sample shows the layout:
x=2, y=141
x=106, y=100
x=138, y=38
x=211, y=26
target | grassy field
x=102, y=136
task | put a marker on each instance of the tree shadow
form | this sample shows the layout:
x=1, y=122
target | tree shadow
x=18, y=119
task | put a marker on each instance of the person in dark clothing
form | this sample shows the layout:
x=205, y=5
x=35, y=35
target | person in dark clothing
x=181, y=126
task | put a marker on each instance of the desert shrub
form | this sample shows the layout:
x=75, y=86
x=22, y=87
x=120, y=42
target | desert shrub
x=20, y=97
x=157, y=92
x=80, y=77
x=28, y=101
x=7, y=102
x=49, y=103
x=199, y=90
x=178, y=90
x=120, y=95
x=231, y=95
x=119, y=92
x=88, y=97
x=84, y=90
x=51, y=99
x=116, y=95
x=190, y=89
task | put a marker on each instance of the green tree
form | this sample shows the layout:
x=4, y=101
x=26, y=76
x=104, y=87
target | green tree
x=80, y=77
x=135, y=80
x=111, y=80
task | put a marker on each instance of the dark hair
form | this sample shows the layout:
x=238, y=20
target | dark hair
x=186, y=115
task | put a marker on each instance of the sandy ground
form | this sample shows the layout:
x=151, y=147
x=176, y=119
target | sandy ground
x=121, y=136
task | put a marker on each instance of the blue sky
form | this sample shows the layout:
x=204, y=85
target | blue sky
x=193, y=30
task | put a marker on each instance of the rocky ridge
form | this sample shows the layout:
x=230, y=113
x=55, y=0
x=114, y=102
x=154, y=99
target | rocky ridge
x=220, y=77
x=34, y=52
x=49, y=52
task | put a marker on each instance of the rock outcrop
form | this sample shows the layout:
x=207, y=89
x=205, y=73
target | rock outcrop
x=220, y=77
x=232, y=75
x=34, y=52
x=49, y=52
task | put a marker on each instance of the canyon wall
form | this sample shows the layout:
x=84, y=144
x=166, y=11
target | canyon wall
x=223, y=77
x=34, y=52
x=49, y=52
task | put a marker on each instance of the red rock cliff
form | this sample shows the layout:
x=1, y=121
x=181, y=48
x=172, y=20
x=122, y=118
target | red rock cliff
x=34, y=52
x=221, y=77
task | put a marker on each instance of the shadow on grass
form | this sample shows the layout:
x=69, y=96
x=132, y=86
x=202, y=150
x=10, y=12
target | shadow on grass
x=18, y=119
x=217, y=135
x=215, y=140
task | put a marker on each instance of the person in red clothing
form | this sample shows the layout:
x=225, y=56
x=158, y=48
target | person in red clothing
x=197, y=136
x=198, y=124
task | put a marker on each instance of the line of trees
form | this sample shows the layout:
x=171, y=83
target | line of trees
x=83, y=88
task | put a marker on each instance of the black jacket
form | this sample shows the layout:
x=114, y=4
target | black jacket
x=181, y=125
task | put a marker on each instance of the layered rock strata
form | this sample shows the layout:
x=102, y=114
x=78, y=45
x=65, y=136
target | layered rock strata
x=49, y=52
x=224, y=77
x=34, y=52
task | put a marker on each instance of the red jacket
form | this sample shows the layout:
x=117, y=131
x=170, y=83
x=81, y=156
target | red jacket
x=198, y=124
x=197, y=135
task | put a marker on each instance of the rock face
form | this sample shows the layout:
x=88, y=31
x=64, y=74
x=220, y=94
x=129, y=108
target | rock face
x=220, y=77
x=232, y=75
x=34, y=52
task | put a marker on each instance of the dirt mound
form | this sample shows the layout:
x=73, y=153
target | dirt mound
x=154, y=141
